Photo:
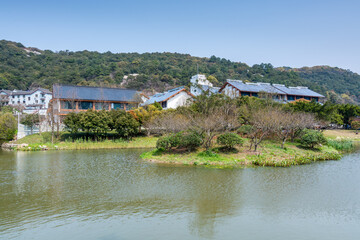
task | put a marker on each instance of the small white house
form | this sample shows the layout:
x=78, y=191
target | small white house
x=172, y=98
x=199, y=84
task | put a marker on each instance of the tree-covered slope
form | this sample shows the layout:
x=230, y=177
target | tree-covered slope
x=22, y=67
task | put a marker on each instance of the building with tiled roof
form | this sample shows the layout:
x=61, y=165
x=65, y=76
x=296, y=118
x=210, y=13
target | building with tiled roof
x=172, y=98
x=237, y=88
x=81, y=98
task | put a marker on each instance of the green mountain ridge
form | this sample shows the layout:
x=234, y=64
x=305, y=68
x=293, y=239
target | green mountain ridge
x=25, y=67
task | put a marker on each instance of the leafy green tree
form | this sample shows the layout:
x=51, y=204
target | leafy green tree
x=72, y=122
x=355, y=125
x=126, y=125
x=8, y=126
x=31, y=120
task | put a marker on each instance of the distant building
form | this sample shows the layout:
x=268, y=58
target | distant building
x=281, y=93
x=172, y=98
x=68, y=99
x=200, y=84
x=32, y=100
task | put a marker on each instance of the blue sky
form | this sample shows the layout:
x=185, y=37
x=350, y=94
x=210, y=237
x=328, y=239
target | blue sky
x=283, y=33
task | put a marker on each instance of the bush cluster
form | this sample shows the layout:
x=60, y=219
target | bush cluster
x=189, y=140
x=98, y=123
x=311, y=138
x=229, y=140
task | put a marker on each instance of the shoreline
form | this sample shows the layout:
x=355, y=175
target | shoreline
x=269, y=153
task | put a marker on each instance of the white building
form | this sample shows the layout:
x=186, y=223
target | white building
x=32, y=100
x=199, y=84
x=172, y=98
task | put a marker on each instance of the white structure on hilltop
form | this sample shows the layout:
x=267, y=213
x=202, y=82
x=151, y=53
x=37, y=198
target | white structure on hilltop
x=199, y=84
x=36, y=100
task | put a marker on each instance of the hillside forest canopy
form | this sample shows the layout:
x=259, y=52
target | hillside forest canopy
x=26, y=67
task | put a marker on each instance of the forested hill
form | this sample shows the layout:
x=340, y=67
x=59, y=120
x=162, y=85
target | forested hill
x=24, y=67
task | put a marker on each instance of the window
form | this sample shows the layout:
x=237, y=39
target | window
x=101, y=106
x=245, y=94
x=291, y=98
x=23, y=96
x=36, y=101
x=29, y=98
x=13, y=96
x=118, y=106
x=85, y=105
x=254, y=94
x=164, y=104
x=307, y=98
x=36, y=95
x=23, y=101
x=68, y=105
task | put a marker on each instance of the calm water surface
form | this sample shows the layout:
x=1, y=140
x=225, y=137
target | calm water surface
x=112, y=194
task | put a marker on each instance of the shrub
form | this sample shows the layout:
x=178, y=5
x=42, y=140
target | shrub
x=245, y=130
x=187, y=139
x=190, y=140
x=229, y=140
x=163, y=143
x=126, y=125
x=311, y=138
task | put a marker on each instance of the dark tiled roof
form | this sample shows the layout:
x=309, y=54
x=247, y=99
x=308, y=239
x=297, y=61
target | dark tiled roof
x=298, y=91
x=8, y=92
x=254, y=87
x=95, y=93
x=21, y=92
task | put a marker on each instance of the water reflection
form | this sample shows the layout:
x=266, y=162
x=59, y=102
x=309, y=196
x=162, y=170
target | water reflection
x=104, y=188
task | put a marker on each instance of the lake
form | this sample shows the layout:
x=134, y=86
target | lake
x=113, y=194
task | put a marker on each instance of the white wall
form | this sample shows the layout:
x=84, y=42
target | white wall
x=37, y=97
x=180, y=99
x=230, y=91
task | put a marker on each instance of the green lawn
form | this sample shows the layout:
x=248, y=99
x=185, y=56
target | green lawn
x=41, y=142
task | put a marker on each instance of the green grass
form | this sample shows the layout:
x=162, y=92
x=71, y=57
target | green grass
x=270, y=154
x=341, y=145
x=41, y=142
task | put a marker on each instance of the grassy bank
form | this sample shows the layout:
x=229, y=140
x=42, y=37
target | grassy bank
x=38, y=142
x=270, y=154
x=342, y=134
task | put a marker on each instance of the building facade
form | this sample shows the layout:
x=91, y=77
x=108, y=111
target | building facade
x=68, y=99
x=32, y=100
x=279, y=92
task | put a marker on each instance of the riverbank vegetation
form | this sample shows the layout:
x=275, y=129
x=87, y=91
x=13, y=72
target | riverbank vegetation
x=37, y=142
x=248, y=131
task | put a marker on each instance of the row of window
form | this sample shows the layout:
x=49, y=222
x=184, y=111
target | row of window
x=70, y=105
x=36, y=95
x=36, y=101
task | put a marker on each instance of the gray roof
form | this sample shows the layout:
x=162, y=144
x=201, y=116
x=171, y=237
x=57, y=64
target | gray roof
x=22, y=92
x=160, y=97
x=95, y=93
x=211, y=89
x=254, y=87
x=8, y=92
x=298, y=91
